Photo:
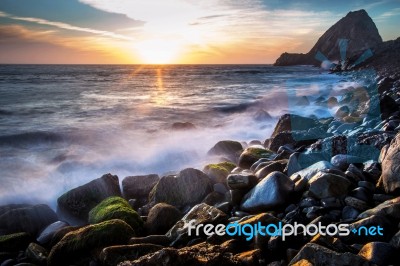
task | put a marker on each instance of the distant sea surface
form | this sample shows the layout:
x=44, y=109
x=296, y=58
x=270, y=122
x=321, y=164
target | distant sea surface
x=64, y=125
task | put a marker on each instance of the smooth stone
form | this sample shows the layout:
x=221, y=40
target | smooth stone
x=356, y=203
x=342, y=161
x=37, y=254
x=220, y=188
x=134, y=187
x=266, y=170
x=291, y=122
x=228, y=148
x=368, y=185
x=331, y=203
x=389, y=208
x=349, y=213
x=190, y=186
x=14, y=242
x=237, y=196
x=251, y=155
x=161, y=218
x=77, y=202
x=325, y=185
x=255, y=165
x=47, y=234
x=361, y=194
x=271, y=192
x=219, y=171
x=214, y=198
x=308, y=202
x=310, y=171
x=241, y=181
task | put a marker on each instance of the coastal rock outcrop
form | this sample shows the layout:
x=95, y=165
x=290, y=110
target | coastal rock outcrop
x=356, y=30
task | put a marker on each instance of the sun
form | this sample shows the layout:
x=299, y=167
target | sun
x=157, y=51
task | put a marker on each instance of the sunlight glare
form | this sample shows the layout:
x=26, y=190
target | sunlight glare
x=157, y=51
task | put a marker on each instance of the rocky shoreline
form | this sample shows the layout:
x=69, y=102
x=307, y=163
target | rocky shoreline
x=338, y=170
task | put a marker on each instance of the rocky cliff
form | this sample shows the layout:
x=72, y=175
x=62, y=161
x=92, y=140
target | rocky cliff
x=356, y=30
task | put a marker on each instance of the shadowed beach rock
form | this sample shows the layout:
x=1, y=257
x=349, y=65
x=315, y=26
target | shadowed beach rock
x=113, y=255
x=219, y=171
x=32, y=219
x=390, y=177
x=379, y=253
x=292, y=122
x=318, y=255
x=77, y=202
x=47, y=234
x=14, y=242
x=115, y=208
x=190, y=186
x=389, y=208
x=161, y=218
x=135, y=187
x=199, y=214
x=251, y=155
x=227, y=148
x=76, y=246
x=325, y=185
x=271, y=192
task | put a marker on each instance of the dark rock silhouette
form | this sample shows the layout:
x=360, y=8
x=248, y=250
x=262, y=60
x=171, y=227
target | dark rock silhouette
x=356, y=27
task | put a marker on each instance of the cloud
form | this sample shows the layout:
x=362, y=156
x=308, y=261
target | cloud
x=66, y=26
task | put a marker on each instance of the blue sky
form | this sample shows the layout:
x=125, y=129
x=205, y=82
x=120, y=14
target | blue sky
x=173, y=31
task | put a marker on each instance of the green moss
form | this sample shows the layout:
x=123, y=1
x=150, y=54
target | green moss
x=77, y=245
x=259, y=153
x=14, y=242
x=219, y=171
x=115, y=208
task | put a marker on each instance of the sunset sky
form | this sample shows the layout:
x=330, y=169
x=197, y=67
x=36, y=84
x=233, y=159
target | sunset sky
x=173, y=31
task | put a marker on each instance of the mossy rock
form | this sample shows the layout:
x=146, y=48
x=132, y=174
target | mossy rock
x=251, y=155
x=115, y=208
x=76, y=247
x=219, y=171
x=14, y=242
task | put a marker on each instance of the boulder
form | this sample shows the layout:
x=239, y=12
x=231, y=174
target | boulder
x=252, y=155
x=76, y=246
x=379, y=253
x=227, y=148
x=241, y=181
x=342, y=161
x=135, y=187
x=325, y=185
x=271, y=192
x=77, y=202
x=161, y=218
x=113, y=255
x=395, y=241
x=199, y=214
x=37, y=254
x=115, y=208
x=14, y=242
x=291, y=122
x=390, y=177
x=319, y=255
x=47, y=234
x=310, y=171
x=31, y=219
x=190, y=186
x=389, y=209
x=219, y=171
x=269, y=168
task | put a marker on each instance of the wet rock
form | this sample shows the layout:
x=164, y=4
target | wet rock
x=77, y=202
x=379, y=253
x=271, y=192
x=220, y=188
x=76, y=246
x=332, y=243
x=310, y=171
x=395, y=241
x=241, y=181
x=214, y=198
x=272, y=167
x=161, y=240
x=200, y=214
x=47, y=234
x=251, y=155
x=197, y=255
x=319, y=255
x=308, y=202
x=388, y=106
x=113, y=255
x=298, y=161
x=291, y=122
x=357, y=204
x=135, y=187
x=342, y=112
x=227, y=148
x=362, y=194
x=367, y=185
x=115, y=208
x=342, y=161
x=331, y=203
x=237, y=195
x=14, y=242
x=390, y=177
x=349, y=213
x=218, y=172
x=372, y=170
x=389, y=208
x=31, y=219
x=294, y=138
x=161, y=218
x=324, y=185
x=37, y=254
x=190, y=186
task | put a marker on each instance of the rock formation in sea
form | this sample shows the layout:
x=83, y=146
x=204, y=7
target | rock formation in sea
x=356, y=30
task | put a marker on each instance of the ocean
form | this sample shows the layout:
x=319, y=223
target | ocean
x=64, y=125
